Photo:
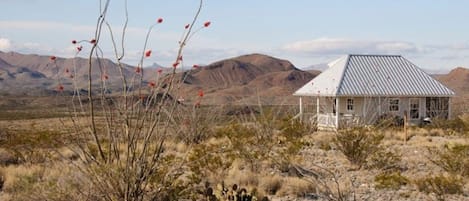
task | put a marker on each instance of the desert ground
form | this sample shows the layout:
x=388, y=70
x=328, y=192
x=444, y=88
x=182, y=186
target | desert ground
x=260, y=149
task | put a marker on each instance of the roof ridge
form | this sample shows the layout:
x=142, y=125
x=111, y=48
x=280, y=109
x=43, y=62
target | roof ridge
x=377, y=55
x=341, y=78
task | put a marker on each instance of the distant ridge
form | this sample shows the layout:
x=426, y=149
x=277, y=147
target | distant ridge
x=241, y=79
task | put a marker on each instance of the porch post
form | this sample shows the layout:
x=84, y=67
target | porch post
x=301, y=108
x=317, y=105
x=337, y=112
x=317, y=110
x=449, y=107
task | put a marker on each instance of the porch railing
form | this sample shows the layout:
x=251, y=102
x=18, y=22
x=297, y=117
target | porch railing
x=326, y=120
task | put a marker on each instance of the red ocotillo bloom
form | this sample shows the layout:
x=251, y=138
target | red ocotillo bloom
x=151, y=84
x=207, y=23
x=79, y=48
x=201, y=93
x=159, y=71
x=148, y=53
x=175, y=64
x=60, y=88
x=159, y=20
x=105, y=77
x=52, y=58
x=195, y=66
x=187, y=26
x=74, y=42
x=93, y=41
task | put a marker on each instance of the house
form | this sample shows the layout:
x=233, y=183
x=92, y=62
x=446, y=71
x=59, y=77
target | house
x=360, y=89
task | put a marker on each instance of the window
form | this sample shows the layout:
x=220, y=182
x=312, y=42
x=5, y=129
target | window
x=414, y=106
x=350, y=104
x=393, y=104
x=437, y=107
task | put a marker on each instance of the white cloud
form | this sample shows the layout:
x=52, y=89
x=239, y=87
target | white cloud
x=328, y=46
x=5, y=44
x=44, y=26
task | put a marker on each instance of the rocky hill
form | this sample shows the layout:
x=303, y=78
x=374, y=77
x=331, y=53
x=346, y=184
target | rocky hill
x=243, y=78
x=457, y=79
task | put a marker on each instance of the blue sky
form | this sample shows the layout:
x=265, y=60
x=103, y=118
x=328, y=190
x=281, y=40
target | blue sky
x=432, y=34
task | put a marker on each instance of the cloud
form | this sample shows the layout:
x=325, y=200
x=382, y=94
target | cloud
x=44, y=26
x=335, y=46
x=5, y=44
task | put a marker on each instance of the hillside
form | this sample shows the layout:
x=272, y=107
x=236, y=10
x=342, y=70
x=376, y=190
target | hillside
x=241, y=79
x=457, y=79
x=238, y=79
x=245, y=78
x=22, y=74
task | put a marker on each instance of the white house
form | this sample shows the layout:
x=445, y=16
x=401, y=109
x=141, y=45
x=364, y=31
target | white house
x=359, y=89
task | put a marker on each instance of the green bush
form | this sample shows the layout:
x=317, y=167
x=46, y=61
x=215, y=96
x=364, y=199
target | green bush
x=440, y=185
x=357, y=144
x=390, y=180
x=454, y=159
x=384, y=160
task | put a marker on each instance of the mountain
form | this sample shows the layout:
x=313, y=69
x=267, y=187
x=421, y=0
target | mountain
x=457, y=80
x=30, y=74
x=245, y=78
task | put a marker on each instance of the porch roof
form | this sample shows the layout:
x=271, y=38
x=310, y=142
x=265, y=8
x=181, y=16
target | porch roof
x=374, y=75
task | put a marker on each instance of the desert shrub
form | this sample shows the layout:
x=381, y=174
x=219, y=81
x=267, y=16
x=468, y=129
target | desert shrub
x=440, y=185
x=30, y=146
x=291, y=139
x=454, y=159
x=389, y=120
x=293, y=128
x=248, y=142
x=37, y=182
x=207, y=160
x=196, y=123
x=357, y=144
x=390, y=180
x=457, y=125
x=384, y=160
x=8, y=158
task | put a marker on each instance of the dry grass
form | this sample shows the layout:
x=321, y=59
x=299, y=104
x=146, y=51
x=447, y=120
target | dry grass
x=293, y=186
x=266, y=180
x=271, y=184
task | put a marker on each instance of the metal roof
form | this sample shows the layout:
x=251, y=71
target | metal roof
x=374, y=75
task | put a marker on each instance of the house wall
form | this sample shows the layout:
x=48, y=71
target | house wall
x=366, y=110
x=369, y=109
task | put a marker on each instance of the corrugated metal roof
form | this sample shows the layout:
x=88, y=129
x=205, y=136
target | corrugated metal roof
x=373, y=75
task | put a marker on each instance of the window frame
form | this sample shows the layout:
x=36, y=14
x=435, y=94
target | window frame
x=350, y=104
x=394, y=105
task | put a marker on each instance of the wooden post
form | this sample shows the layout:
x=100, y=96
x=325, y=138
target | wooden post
x=301, y=105
x=405, y=127
x=337, y=112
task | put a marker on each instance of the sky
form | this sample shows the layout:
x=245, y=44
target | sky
x=434, y=35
